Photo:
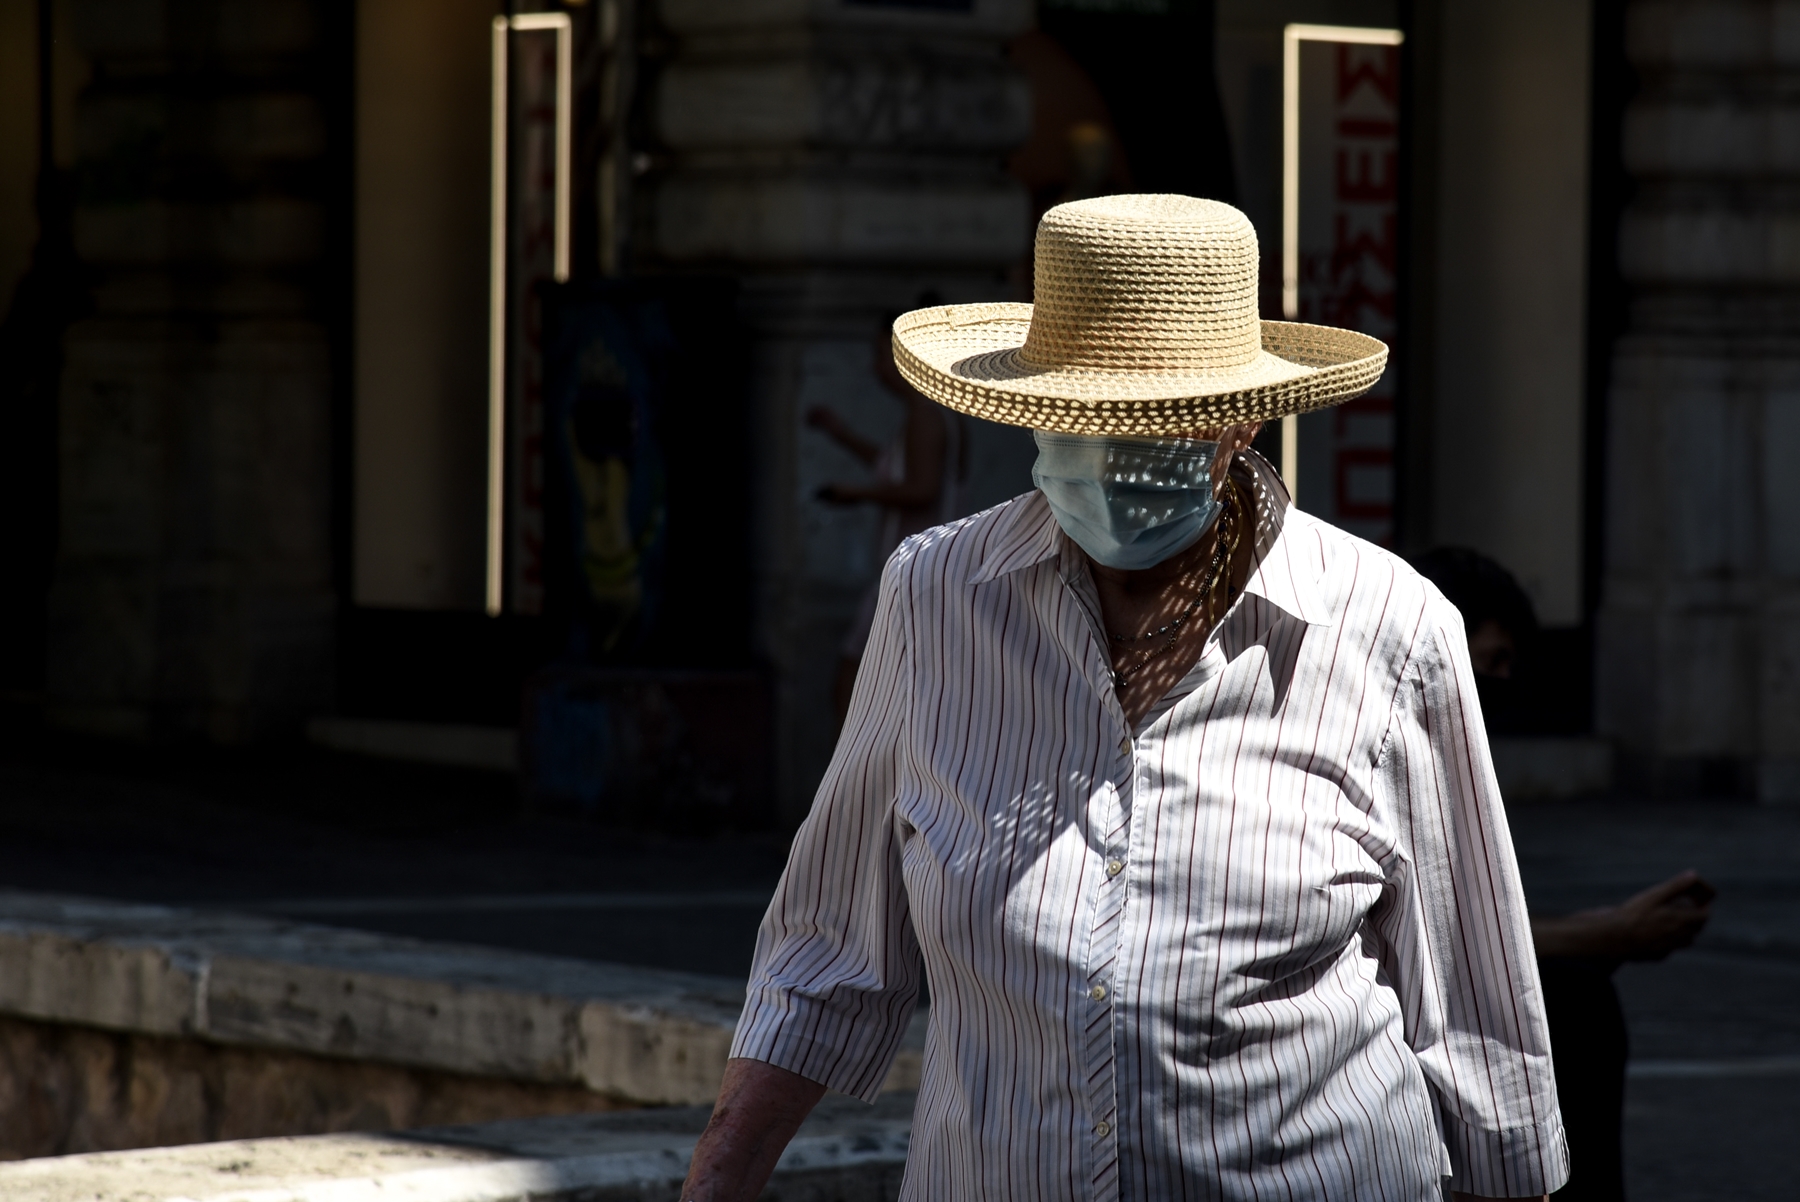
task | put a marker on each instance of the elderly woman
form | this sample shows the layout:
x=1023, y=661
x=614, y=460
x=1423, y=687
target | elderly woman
x=1178, y=797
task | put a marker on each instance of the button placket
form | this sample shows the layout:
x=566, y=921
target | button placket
x=1114, y=970
x=1115, y=854
x=1096, y=1005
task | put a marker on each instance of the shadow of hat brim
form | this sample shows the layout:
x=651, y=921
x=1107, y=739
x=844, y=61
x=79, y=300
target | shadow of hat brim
x=967, y=357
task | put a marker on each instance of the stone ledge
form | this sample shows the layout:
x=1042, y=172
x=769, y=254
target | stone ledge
x=846, y=1151
x=645, y=1036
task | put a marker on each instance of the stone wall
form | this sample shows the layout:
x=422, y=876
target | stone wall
x=1699, y=650
x=125, y=1025
x=68, y=1089
x=193, y=588
x=840, y=159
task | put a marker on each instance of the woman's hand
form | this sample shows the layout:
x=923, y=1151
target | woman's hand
x=1646, y=926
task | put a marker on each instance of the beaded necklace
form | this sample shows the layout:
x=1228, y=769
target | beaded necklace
x=1225, y=547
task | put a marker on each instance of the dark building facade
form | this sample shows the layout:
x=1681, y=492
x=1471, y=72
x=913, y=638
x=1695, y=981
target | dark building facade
x=258, y=328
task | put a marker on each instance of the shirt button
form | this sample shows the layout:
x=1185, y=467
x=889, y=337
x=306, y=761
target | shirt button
x=1125, y=746
x=1097, y=992
x=1115, y=867
x=1103, y=1128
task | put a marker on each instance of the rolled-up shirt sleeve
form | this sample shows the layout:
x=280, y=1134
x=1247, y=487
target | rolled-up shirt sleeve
x=1455, y=933
x=837, y=966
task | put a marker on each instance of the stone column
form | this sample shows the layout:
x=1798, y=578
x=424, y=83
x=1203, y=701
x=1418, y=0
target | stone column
x=1699, y=634
x=840, y=157
x=193, y=592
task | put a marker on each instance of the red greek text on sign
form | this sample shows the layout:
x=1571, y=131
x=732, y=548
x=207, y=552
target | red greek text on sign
x=1360, y=285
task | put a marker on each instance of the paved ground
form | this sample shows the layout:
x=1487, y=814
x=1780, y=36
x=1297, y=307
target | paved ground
x=314, y=828
x=1713, y=1107
x=1713, y=1110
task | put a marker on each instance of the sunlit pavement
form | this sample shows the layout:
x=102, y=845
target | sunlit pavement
x=1713, y=1105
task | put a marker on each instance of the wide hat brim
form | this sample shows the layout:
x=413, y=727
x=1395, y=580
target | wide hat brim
x=967, y=358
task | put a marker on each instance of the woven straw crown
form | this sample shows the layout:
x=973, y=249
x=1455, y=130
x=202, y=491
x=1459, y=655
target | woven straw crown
x=1145, y=323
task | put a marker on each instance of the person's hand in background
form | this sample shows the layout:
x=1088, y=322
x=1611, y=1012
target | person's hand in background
x=825, y=419
x=1646, y=926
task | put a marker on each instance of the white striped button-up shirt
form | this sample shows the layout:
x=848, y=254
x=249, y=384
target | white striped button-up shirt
x=1269, y=945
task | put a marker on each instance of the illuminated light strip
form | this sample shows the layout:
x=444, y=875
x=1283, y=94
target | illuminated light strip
x=559, y=23
x=496, y=468
x=1291, y=37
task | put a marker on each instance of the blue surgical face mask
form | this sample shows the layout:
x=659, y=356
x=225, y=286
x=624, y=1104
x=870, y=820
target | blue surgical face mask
x=1130, y=503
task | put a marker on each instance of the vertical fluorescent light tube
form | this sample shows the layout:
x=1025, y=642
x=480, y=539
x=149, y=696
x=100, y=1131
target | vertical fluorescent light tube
x=1290, y=455
x=565, y=114
x=1291, y=37
x=1290, y=233
x=1290, y=173
x=494, y=591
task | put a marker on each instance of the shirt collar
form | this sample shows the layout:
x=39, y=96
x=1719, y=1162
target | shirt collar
x=1290, y=557
x=1024, y=537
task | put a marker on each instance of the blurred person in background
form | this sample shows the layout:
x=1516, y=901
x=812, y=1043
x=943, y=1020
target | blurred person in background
x=919, y=479
x=1577, y=953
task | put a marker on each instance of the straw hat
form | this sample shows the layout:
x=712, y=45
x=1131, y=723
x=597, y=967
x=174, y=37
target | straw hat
x=1145, y=323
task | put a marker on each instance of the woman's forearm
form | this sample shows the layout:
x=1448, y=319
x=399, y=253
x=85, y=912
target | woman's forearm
x=1570, y=937
x=759, y=1109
